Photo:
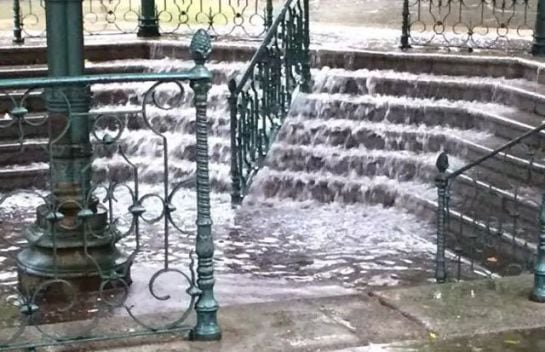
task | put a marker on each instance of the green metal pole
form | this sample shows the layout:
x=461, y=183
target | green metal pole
x=268, y=15
x=441, y=182
x=17, y=23
x=307, y=79
x=148, y=22
x=538, y=293
x=58, y=245
x=405, y=26
x=538, y=49
x=207, y=327
x=236, y=197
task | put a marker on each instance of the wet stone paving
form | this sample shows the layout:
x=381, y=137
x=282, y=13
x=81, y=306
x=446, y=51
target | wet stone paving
x=354, y=245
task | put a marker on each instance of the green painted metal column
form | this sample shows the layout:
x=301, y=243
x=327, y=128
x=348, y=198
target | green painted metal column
x=538, y=293
x=268, y=15
x=405, y=26
x=441, y=182
x=306, y=84
x=207, y=327
x=59, y=247
x=538, y=49
x=17, y=23
x=148, y=22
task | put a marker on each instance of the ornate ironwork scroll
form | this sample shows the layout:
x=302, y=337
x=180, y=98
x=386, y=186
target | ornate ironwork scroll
x=487, y=211
x=246, y=18
x=497, y=24
x=101, y=225
x=260, y=101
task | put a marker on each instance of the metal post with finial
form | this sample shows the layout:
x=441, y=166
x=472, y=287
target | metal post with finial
x=207, y=327
x=441, y=182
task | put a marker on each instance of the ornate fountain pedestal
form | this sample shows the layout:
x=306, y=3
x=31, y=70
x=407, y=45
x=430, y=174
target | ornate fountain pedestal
x=72, y=245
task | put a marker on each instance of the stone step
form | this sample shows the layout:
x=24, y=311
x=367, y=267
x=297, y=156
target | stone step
x=120, y=94
x=181, y=120
x=503, y=121
x=465, y=145
x=380, y=135
x=151, y=171
x=327, y=187
x=517, y=93
x=29, y=176
x=181, y=146
x=356, y=164
x=116, y=170
x=30, y=151
x=353, y=163
x=222, y=71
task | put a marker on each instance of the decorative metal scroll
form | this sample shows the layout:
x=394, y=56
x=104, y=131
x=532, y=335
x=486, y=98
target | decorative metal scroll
x=487, y=212
x=247, y=18
x=488, y=24
x=101, y=225
x=260, y=101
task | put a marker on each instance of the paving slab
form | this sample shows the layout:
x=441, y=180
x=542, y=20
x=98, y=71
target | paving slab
x=317, y=324
x=469, y=308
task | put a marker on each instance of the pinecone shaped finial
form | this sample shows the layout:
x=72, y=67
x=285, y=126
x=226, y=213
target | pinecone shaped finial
x=201, y=46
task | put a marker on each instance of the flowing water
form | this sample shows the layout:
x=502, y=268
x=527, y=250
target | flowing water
x=340, y=199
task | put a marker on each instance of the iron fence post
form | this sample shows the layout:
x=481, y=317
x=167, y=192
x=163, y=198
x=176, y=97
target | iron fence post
x=207, y=327
x=538, y=293
x=148, y=22
x=17, y=23
x=307, y=79
x=236, y=197
x=405, y=26
x=268, y=15
x=441, y=182
x=538, y=48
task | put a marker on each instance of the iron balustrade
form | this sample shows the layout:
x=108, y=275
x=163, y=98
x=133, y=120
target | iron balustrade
x=259, y=102
x=488, y=210
x=248, y=18
x=78, y=259
x=484, y=24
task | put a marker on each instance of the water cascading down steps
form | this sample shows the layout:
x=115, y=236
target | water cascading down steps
x=361, y=137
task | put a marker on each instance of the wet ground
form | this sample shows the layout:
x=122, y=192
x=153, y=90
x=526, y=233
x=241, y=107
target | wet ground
x=527, y=341
x=277, y=248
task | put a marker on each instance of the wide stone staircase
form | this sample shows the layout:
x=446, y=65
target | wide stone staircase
x=361, y=137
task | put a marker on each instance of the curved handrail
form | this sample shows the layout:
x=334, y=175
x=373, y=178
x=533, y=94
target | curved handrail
x=496, y=151
x=443, y=183
x=259, y=102
x=271, y=33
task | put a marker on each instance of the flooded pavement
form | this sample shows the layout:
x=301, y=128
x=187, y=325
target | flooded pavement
x=515, y=341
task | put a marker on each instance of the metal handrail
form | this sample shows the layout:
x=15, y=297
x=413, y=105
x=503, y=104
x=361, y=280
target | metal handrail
x=260, y=100
x=444, y=181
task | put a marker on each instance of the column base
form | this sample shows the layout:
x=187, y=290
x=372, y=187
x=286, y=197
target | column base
x=538, y=48
x=206, y=333
x=148, y=28
x=64, y=251
x=39, y=268
x=538, y=292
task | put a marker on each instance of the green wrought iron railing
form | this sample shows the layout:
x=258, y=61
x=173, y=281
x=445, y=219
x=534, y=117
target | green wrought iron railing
x=91, y=239
x=259, y=102
x=488, y=210
x=150, y=17
x=485, y=24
